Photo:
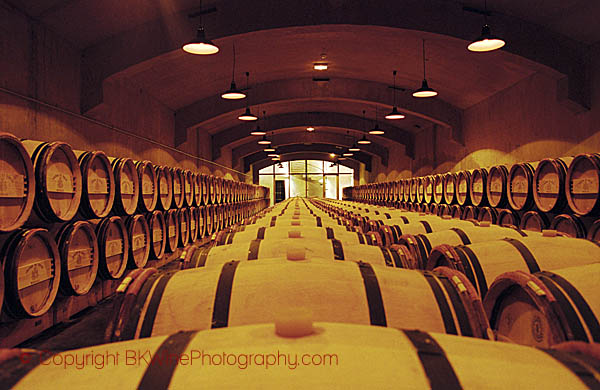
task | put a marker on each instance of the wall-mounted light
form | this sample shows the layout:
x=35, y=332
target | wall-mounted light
x=233, y=93
x=425, y=91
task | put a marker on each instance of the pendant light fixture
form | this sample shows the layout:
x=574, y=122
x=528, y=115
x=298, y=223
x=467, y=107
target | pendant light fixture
x=353, y=147
x=310, y=129
x=363, y=140
x=395, y=114
x=425, y=91
x=264, y=141
x=200, y=45
x=376, y=130
x=233, y=93
x=258, y=131
x=486, y=41
x=269, y=149
x=247, y=115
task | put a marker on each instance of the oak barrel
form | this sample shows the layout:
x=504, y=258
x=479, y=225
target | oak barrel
x=478, y=187
x=113, y=247
x=508, y=218
x=450, y=183
x=188, y=187
x=165, y=187
x=32, y=272
x=594, y=231
x=193, y=224
x=496, y=186
x=127, y=186
x=532, y=220
x=520, y=186
x=549, y=182
x=158, y=236
x=184, y=221
x=569, y=225
x=488, y=214
x=204, y=180
x=438, y=188
x=177, y=176
x=201, y=221
x=463, y=185
x=583, y=184
x=58, y=180
x=79, y=257
x=148, y=180
x=17, y=183
x=482, y=262
x=546, y=308
x=98, y=180
x=241, y=293
x=172, y=224
x=197, y=184
x=138, y=233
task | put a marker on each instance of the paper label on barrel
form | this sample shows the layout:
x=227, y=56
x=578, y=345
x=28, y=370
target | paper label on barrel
x=59, y=182
x=12, y=186
x=113, y=248
x=462, y=186
x=438, y=188
x=176, y=188
x=496, y=186
x=478, y=187
x=126, y=187
x=79, y=258
x=138, y=242
x=97, y=185
x=188, y=187
x=34, y=273
x=157, y=235
x=192, y=225
x=183, y=226
x=147, y=188
x=171, y=231
x=584, y=185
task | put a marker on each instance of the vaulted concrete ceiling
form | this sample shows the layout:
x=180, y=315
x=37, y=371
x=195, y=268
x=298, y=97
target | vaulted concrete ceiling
x=140, y=40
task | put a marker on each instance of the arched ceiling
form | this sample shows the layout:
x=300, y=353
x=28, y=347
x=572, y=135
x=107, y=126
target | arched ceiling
x=277, y=42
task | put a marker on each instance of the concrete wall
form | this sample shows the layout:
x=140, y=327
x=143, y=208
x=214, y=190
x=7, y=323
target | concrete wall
x=38, y=64
x=525, y=122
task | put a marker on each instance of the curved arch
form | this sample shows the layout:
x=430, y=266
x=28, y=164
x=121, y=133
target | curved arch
x=301, y=136
x=298, y=148
x=329, y=120
x=211, y=111
x=440, y=17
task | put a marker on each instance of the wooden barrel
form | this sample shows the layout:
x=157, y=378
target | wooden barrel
x=594, y=231
x=396, y=190
x=284, y=233
x=201, y=222
x=569, y=225
x=31, y=273
x=546, y=308
x=79, y=257
x=414, y=184
x=208, y=220
x=17, y=183
x=197, y=184
x=219, y=184
x=549, y=183
x=406, y=190
x=211, y=182
x=583, y=184
x=496, y=186
x=483, y=262
x=450, y=182
x=58, y=180
x=165, y=187
x=421, y=245
x=193, y=224
x=205, y=183
x=148, y=180
x=508, y=218
x=158, y=234
x=127, y=186
x=487, y=214
x=456, y=211
x=333, y=355
x=470, y=212
x=478, y=186
x=438, y=188
x=138, y=233
x=520, y=186
x=184, y=220
x=463, y=183
x=428, y=189
x=1, y=291
x=534, y=221
x=98, y=181
x=381, y=296
x=172, y=224
x=420, y=189
x=178, y=187
x=188, y=187
x=113, y=247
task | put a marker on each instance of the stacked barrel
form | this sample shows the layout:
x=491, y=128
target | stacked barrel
x=559, y=193
x=71, y=219
x=308, y=278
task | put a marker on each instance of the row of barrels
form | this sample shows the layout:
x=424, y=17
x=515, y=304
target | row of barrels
x=568, y=224
x=537, y=288
x=276, y=286
x=550, y=185
x=48, y=182
x=67, y=258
